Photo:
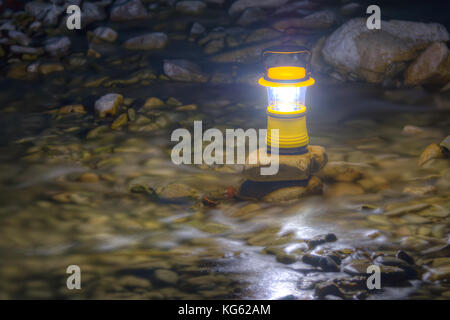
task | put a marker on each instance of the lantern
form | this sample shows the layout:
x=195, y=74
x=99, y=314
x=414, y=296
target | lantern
x=286, y=77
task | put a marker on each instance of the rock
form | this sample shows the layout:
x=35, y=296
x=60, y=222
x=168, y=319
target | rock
x=282, y=194
x=143, y=184
x=321, y=239
x=285, y=258
x=326, y=263
x=19, y=37
x=105, y=34
x=244, y=54
x=350, y=9
x=26, y=50
x=410, y=130
x=419, y=191
x=433, y=151
x=402, y=255
x=328, y=288
x=252, y=15
x=153, y=103
x=120, y=121
x=431, y=66
x=108, y=104
x=342, y=171
x=190, y=7
x=440, y=273
x=445, y=146
x=290, y=167
x=166, y=276
x=177, y=192
x=214, y=46
x=443, y=182
x=57, y=46
x=344, y=189
x=91, y=12
x=375, y=55
x=319, y=20
x=126, y=10
x=184, y=70
x=197, y=29
x=150, y=41
x=71, y=108
x=89, y=177
x=240, y=5
x=47, y=68
x=396, y=212
x=130, y=281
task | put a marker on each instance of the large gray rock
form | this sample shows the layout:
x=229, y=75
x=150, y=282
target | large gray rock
x=150, y=41
x=183, y=70
x=125, y=10
x=374, y=55
x=240, y=5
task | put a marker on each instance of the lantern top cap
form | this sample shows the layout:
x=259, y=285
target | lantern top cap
x=286, y=66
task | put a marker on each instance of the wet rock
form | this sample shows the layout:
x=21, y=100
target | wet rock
x=344, y=189
x=125, y=10
x=166, y=276
x=350, y=9
x=57, y=46
x=285, y=258
x=214, y=46
x=328, y=288
x=130, y=281
x=410, y=270
x=318, y=20
x=431, y=66
x=314, y=187
x=326, y=263
x=144, y=184
x=19, y=37
x=433, y=151
x=251, y=16
x=342, y=171
x=240, y=5
x=89, y=177
x=184, y=70
x=120, y=121
x=108, y=104
x=419, y=191
x=244, y=54
x=402, y=255
x=395, y=212
x=92, y=12
x=291, y=167
x=26, y=50
x=105, y=34
x=153, y=103
x=375, y=55
x=441, y=273
x=47, y=68
x=150, y=41
x=71, y=108
x=177, y=192
x=321, y=239
x=190, y=7
x=197, y=29
x=445, y=146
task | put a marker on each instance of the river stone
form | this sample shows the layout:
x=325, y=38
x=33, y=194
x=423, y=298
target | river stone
x=166, y=276
x=105, y=34
x=197, y=29
x=177, y=192
x=57, y=46
x=125, y=10
x=433, y=151
x=374, y=55
x=318, y=20
x=445, y=146
x=313, y=187
x=184, y=70
x=150, y=41
x=120, y=121
x=431, y=66
x=190, y=7
x=108, y=104
x=240, y=5
x=251, y=16
x=291, y=167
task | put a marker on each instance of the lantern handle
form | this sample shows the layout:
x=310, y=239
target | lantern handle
x=286, y=49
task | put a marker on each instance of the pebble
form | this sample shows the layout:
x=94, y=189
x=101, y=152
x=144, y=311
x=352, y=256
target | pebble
x=108, y=104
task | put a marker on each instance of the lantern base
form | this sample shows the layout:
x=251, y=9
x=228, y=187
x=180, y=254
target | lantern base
x=288, y=151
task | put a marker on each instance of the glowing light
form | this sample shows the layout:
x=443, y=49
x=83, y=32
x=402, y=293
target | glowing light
x=286, y=99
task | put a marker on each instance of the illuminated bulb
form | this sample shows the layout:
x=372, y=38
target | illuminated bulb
x=286, y=99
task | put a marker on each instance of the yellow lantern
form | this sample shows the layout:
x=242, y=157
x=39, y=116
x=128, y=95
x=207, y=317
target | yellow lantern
x=286, y=77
